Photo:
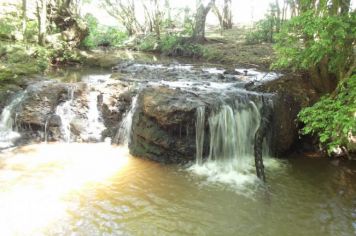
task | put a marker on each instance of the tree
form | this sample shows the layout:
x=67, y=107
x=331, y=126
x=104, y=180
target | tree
x=24, y=17
x=153, y=16
x=224, y=14
x=41, y=8
x=319, y=41
x=125, y=12
x=200, y=19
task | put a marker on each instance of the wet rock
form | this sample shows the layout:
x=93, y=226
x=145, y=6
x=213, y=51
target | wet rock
x=40, y=103
x=163, y=125
x=292, y=94
x=54, y=121
x=116, y=100
x=77, y=127
x=232, y=72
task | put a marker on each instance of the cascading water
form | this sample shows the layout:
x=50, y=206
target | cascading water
x=231, y=129
x=95, y=123
x=64, y=111
x=123, y=134
x=200, y=130
x=7, y=133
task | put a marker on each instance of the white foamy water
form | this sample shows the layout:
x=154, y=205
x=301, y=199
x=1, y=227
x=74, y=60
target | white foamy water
x=7, y=133
x=259, y=75
x=230, y=159
x=66, y=113
x=95, y=122
x=123, y=134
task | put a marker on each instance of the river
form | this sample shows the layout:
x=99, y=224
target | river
x=99, y=189
x=69, y=188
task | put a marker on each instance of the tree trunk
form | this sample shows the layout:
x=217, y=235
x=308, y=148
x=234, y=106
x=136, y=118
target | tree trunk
x=200, y=19
x=278, y=17
x=24, y=18
x=157, y=20
x=227, y=15
x=42, y=21
x=219, y=16
x=168, y=11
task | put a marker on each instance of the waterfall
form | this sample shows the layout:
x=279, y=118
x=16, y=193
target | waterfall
x=95, y=121
x=123, y=134
x=232, y=130
x=231, y=138
x=7, y=123
x=64, y=111
x=199, y=138
x=46, y=131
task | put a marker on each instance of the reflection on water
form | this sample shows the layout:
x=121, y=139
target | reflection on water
x=98, y=189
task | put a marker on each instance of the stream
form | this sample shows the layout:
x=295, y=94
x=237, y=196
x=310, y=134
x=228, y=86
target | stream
x=71, y=179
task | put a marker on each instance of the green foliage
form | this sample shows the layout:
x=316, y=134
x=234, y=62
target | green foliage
x=266, y=28
x=6, y=29
x=333, y=118
x=101, y=35
x=263, y=32
x=175, y=45
x=307, y=39
x=21, y=59
x=31, y=31
x=148, y=43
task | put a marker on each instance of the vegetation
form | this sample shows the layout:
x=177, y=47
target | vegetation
x=104, y=36
x=314, y=38
x=333, y=118
x=320, y=41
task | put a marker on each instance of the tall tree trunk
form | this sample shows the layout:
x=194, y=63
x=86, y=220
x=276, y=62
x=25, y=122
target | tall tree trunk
x=42, y=20
x=157, y=20
x=200, y=19
x=24, y=18
x=278, y=17
x=168, y=11
x=219, y=16
x=227, y=15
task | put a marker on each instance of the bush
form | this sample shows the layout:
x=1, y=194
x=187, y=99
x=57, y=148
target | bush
x=19, y=59
x=148, y=43
x=333, y=118
x=102, y=35
x=263, y=32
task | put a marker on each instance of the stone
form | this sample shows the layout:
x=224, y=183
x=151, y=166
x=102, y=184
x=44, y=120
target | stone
x=292, y=93
x=163, y=125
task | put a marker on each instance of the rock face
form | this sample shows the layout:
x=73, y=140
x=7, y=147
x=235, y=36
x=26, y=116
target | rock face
x=86, y=111
x=40, y=103
x=163, y=125
x=292, y=93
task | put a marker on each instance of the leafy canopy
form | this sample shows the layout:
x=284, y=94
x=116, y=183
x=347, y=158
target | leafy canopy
x=309, y=38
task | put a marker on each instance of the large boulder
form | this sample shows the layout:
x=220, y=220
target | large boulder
x=163, y=125
x=40, y=103
x=292, y=93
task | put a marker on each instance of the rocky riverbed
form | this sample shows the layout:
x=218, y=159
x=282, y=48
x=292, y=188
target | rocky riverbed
x=164, y=116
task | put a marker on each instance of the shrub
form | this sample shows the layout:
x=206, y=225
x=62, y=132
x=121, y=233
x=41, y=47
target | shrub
x=333, y=118
x=102, y=35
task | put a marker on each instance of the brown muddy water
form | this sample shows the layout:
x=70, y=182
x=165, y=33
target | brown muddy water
x=99, y=189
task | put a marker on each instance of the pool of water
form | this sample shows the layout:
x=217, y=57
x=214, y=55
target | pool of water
x=99, y=189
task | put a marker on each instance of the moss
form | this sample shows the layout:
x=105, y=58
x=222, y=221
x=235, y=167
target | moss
x=20, y=60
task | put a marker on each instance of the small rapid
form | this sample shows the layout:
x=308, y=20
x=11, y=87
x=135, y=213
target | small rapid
x=124, y=131
x=73, y=187
x=8, y=129
x=230, y=157
x=66, y=113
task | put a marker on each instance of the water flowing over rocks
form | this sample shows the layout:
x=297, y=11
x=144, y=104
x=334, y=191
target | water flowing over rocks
x=162, y=121
x=164, y=124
